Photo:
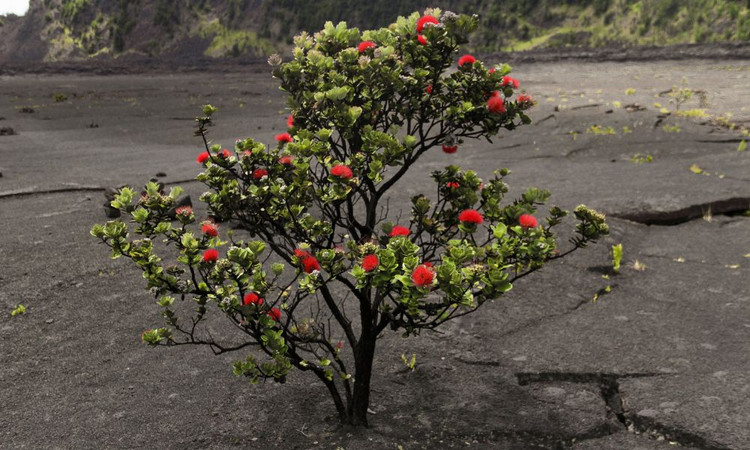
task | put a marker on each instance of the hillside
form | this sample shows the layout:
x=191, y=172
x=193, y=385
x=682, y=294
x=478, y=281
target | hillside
x=63, y=30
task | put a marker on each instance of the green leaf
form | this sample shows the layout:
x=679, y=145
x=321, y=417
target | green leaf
x=499, y=230
x=19, y=309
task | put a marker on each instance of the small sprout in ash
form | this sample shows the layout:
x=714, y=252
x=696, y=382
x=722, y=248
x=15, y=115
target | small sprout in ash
x=600, y=130
x=19, y=309
x=696, y=169
x=640, y=159
x=409, y=363
x=616, y=257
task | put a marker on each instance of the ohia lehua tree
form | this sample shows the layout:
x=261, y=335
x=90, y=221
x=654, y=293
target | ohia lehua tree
x=321, y=273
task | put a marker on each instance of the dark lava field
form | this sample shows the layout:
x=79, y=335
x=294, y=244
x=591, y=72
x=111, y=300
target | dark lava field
x=660, y=360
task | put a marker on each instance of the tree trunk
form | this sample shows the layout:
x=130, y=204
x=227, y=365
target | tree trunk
x=363, y=373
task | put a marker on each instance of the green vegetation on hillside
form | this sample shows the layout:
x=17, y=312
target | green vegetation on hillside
x=261, y=27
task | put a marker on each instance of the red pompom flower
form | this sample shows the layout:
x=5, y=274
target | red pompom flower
x=210, y=255
x=203, y=157
x=286, y=160
x=510, y=81
x=290, y=121
x=450, y=148
x=252, y=298
x=424, y=20
x=429, y=89
x=366, y=45
x=275, y=314
x=370, y=263
x=422, y=276
x=398, y=230
x=525, y=101
x=452, y=185
x=421, y=39
x=260, y=173
x=284, y=137
x=225, y=154
x=184, y=211
x=209, y=229
x=527, y=221
x=342, y=171
x=470, y=216
x=466, y=60
x=310, y=264
x=496, y=104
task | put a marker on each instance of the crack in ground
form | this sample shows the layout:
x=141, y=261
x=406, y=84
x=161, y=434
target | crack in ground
x=616, y=409
x=720, y=141
x=735, y=205
x=30, y=192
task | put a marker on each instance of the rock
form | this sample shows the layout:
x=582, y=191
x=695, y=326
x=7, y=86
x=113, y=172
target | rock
x=7, y=131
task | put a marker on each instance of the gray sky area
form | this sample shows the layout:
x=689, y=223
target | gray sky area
x=17, y=7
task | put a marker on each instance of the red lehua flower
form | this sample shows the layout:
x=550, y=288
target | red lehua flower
x=339, y=345
x=496, y=104
x=470, y=216
x=290, y=121
x=429, y=89
x=370, y=263
x=342, y=171
x=424, y=20
x=421, y=39
x=225, y=154
x=310, y=264
x=466, y=60
x=525, y=101
x=428, y=264
x=260, y=173
x=210, y=255
x=203, y=157
x=527, y=221
x=301, y=254
x=398, y=230
x=286, y=160
x=450, y=148
x=422, y=276
x=252, y=298
x=452, y=184
x=491, y=71
x=366, y=45
x=209, y=229
x=275, y=314
x=183, y=211
x=284, y=137
x=247, y=153
x=510, y=81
